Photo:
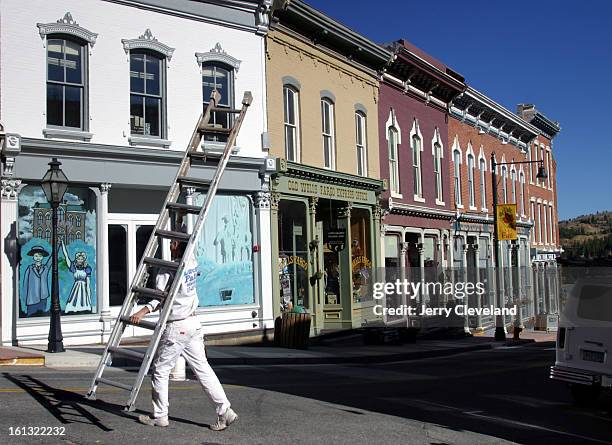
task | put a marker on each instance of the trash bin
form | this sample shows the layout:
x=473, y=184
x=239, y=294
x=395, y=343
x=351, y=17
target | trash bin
x=292, y=330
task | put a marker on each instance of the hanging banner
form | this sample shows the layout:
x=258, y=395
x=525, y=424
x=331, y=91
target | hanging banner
x=506, y=221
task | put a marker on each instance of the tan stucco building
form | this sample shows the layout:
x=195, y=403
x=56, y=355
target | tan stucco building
x=322, y=92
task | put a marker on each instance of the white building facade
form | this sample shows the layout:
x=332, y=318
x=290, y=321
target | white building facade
x=113, y=89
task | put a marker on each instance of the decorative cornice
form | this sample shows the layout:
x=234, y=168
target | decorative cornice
x=396, y=208
x=147, y=41
x=67, y=25
x=262, y=17
x=217, y=54
x=105, y=187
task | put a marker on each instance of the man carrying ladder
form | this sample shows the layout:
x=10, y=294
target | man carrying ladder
x=182, y=336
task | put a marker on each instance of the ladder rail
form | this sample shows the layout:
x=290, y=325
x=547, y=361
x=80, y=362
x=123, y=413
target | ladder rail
x=212, y=190
x=152, y=246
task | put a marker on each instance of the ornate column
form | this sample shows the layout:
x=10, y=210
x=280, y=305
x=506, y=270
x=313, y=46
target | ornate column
x=276, y=301
x=189, y=199
x=419, y=249
x=8, y=258
x=346, y=272
x=518, y=285
x=263, y=259
x=403, y=251
x=466, y=320
x=475, y=249
x=103, y=265
x=317, y=286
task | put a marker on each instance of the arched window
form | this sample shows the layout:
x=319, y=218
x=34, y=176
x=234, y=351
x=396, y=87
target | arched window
x=39, y=218
x=522, y=185
x=328, y=133
x=457, y=176
x=61, y=213
x=48, y=217
x=78, y=221
x=66, y=82
x=513, y=179
x=361, y=143
x=504, y=174
x=416, y=166
x=438, y=170
x=483, y=186
x=291, y=107
x=48, y=235
x=393, y=164
x=471, y=186
x=39, y=233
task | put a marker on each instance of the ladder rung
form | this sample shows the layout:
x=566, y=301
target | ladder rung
x=200, y=183
x=150, y=293
x=220, y=130
x=115, y=384
x=143, y=324
x=127, y=352
x=181, y=236
x=226, y=110
x=170, y=265
x=185, y=207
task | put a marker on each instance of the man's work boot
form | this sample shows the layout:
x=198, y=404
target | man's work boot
x=155, y=421
x=224, y=420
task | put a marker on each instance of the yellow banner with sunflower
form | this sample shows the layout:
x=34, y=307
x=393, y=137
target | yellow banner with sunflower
x=506, y=221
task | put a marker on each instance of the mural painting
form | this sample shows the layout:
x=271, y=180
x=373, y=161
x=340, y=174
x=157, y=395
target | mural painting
x=76, y=246
x=224, y=253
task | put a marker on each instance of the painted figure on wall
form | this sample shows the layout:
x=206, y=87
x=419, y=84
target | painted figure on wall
x=76, y=233
x=79, y=298
x=224, y=254
x=36, y=281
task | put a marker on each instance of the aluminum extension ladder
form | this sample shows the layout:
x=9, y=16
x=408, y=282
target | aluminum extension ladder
x=138, y=289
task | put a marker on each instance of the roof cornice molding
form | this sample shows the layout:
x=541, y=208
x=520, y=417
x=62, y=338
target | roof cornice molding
x=407, y=56
x=328, y=31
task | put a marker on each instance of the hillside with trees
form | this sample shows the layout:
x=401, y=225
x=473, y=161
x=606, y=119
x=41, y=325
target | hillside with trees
x=587, y=237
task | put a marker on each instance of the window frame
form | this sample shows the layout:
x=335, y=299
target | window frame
x=437, y=167
x=331, y=135
x=482, y=164
x=471, y=184
x=162, y=97
x=84, y=85
x=457, y=177
x=362, y=161
x=416, y=146
x=231, y=96
x=296, y=125
x=392, y=145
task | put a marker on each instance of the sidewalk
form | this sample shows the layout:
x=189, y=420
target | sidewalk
x=346, y=349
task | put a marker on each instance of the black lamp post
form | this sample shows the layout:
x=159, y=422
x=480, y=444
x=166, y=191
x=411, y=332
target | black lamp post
x=500, y=333
x=54, y=184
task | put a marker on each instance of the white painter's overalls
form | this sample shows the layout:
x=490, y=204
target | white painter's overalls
x=183, y=336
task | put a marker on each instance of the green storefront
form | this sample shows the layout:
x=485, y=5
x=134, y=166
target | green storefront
x=325, y=244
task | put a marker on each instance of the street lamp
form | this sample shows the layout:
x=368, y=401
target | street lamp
x=500, y=333
x=54, y=184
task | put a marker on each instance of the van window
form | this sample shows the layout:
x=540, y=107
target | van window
x=595, y=302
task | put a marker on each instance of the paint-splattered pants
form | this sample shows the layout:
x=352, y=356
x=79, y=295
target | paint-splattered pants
x=184, y=337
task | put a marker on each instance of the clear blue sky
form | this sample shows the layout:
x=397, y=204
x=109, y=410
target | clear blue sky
x=555, y=54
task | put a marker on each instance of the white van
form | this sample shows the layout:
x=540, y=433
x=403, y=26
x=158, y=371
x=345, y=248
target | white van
x=584, y=339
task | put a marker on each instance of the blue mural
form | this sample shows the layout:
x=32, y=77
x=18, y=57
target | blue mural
x=76, y=252
x=224, y=253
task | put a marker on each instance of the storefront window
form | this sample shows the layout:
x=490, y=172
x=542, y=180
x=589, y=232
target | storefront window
x=293, y=253
x=117, y=263
x=224, y=253
x=392, y=270
x=76, y=252
x=361, y=251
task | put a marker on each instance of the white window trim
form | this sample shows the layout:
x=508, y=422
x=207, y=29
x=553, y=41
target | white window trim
x=457, y=148
x=438, y=140
x=332, y=134
x=470, y=152
x=416, y=131
x=392, y=123
x=296, y=111
x=513, y=182
x=482, y=179
x=523, y=190
x=359, y=114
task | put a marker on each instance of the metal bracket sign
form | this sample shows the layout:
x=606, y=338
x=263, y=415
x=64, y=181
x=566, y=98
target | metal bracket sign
x=336, y=239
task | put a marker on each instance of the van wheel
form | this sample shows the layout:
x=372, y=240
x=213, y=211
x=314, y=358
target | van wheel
x=584, y=394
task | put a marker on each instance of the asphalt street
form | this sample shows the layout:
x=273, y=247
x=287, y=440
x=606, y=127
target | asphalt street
x=485, y=397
